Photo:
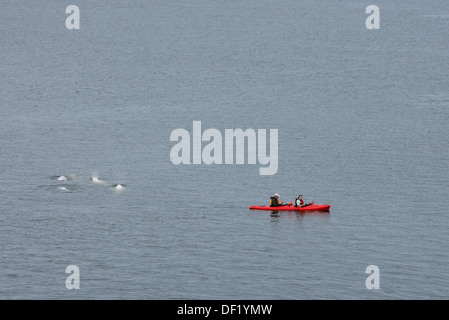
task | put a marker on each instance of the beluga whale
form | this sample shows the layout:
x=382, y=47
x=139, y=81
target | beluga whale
x=64, y=177
x=95, y=179
x=119, y=187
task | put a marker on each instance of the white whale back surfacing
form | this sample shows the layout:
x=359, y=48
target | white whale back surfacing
x=116, y=187
x=95, y=179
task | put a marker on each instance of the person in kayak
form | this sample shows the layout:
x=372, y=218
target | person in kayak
x=274, y=201
x=299, y=202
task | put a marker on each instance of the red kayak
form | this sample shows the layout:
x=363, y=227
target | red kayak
x=312, y=207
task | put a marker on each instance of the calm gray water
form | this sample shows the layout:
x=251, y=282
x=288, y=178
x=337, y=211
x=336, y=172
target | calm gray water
x=363, y=125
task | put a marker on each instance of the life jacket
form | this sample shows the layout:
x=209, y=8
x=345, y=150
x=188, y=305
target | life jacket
x=274, y=202
x=301, y=202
